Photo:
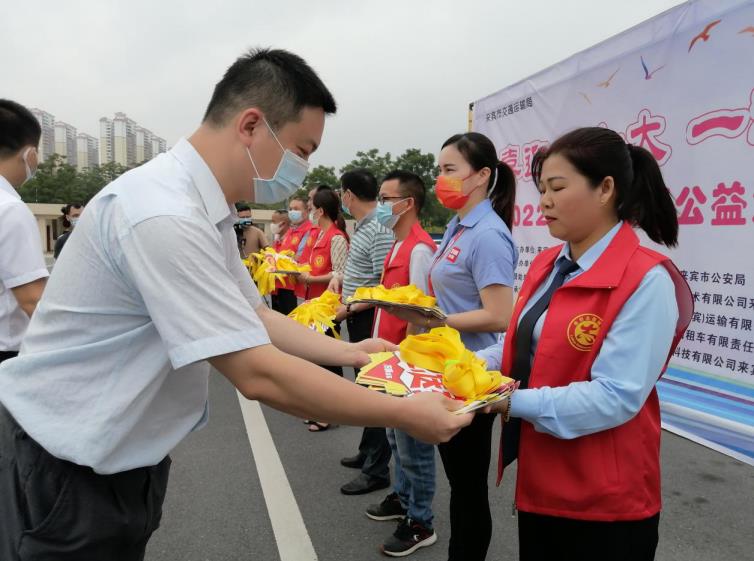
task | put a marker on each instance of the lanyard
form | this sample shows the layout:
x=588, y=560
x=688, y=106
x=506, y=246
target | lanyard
x=442, y=254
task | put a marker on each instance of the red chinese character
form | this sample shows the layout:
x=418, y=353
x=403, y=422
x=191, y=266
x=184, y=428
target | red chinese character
x=728, y=212
x=510, y=155
x=727, y=123
x=529, y=149
x=423, y=382
x=690, y=214
x=646, y=131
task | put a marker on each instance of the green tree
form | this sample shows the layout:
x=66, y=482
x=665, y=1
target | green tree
x=321, y=175
x=373, y=161
x=59, y=182
x=54, y=182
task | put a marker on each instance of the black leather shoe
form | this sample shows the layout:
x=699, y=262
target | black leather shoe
x=356, y=462
x=364, y=484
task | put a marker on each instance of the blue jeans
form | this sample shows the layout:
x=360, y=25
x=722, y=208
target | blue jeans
x=414, y=475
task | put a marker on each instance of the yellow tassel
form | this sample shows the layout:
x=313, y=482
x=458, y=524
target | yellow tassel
x=441, y=350
x=318, y=313
x=265, y=265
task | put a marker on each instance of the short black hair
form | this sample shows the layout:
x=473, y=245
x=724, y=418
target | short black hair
x=360, y=182
x=278, y=82
x=242, y=207
x=18, y=128
x=411, y=185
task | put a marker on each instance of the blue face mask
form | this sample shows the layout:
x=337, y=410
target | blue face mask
x=296, y=216
x=288, y=177
x=384, y=214
x=343, y=206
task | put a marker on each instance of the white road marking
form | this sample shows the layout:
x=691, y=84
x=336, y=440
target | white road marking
x=291, y=535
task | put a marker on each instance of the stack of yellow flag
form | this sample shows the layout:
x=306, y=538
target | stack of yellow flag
x=409, y=297
x=268, y=266
x=318, y=313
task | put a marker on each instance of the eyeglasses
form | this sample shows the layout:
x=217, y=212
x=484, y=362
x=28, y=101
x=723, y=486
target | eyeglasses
x=383, y=198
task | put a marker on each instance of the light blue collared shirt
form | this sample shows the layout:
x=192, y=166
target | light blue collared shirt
x=112, y=371
x=625, y=370
x=483, y=255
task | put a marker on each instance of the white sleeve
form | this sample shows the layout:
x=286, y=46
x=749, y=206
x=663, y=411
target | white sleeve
x=21, y=258
x=197, y=304
x=421, y=260
x=245, y=284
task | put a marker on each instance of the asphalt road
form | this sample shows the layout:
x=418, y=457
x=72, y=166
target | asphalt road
x=215, y=509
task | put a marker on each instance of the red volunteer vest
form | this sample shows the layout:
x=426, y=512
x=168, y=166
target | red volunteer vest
x=396, y=274
x=319, y=259
x=306, y=252
x=291, y=241
x=613, y=474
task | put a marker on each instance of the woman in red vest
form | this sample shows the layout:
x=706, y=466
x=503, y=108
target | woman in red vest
x=328, y=254
x=298, y=239
x=594, y=326
x=330, y=248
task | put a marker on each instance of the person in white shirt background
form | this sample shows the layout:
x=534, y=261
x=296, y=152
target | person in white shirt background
x=113, y=372
x=22, y=266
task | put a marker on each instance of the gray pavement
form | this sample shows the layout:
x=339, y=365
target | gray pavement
x=215, y=510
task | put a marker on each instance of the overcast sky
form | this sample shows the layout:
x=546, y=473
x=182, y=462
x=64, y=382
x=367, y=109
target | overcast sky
x=402, y=72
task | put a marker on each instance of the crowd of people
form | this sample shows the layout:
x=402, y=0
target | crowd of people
x=105, y=365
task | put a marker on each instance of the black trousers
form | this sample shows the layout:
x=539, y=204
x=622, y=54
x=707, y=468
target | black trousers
x=542, y=538
x=466, y=459
x=284, y=301
x=5, y=355
x=374, y=446
x=51, y=509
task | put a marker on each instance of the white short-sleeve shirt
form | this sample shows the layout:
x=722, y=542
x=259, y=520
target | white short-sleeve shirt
x=112, y=372
x=21, y=262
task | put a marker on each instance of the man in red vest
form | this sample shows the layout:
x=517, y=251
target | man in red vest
x=279, y=226
x=400, y=201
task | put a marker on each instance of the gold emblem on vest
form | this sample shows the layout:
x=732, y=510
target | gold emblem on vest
x=582, y=331
x=319, y=261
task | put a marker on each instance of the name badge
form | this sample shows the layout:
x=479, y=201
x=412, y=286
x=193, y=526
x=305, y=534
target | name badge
x=453, y=254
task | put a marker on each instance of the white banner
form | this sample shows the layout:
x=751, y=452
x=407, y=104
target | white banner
x=682, y=86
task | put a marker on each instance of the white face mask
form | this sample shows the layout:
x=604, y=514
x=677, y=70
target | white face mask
x=73, y=221
x=29, y=173
x=288, y=178
x=275, y=229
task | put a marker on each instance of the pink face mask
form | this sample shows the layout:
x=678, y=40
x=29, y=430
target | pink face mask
x=449, y=191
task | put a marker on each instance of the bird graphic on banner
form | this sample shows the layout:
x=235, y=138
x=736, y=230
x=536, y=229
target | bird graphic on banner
x=647, y=74
x=749, y=29
x=606, y=83
x=704, y=35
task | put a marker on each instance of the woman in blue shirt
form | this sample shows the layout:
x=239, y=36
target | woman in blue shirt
x=472, y=277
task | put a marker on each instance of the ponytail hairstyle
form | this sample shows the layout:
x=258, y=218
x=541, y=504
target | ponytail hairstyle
x=327, y=200
x=642, y=198
x=480, y=153
x=66, y=210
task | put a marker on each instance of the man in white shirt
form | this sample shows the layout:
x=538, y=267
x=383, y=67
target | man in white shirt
x=22, y=266
x=150, y=291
